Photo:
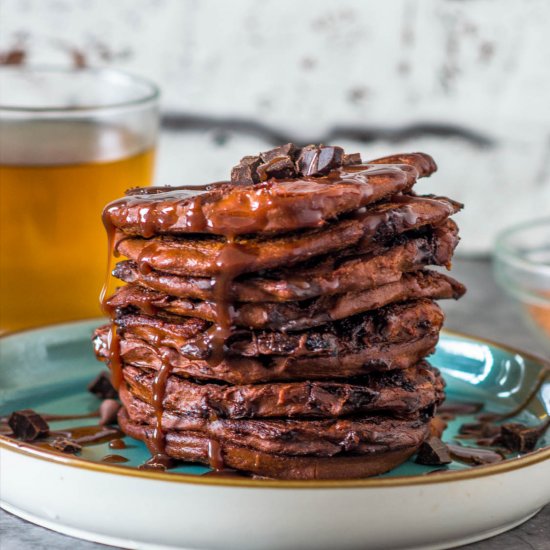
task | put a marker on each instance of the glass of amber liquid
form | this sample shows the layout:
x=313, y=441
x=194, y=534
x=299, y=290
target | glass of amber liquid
x=70, y=142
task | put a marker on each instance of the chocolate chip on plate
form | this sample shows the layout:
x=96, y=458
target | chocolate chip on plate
x=520, y=438
x=66, y=445
x=101, y=386
x=433, y=452
x=473, y=455
x=28, y=425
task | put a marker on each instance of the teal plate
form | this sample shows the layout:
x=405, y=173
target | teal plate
x=48, y=370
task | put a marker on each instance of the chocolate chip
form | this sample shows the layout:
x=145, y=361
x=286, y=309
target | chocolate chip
x=101, y=386
x=433, y=452
x=28, y=425
x=518, y=437
x=317, y=160
x=66, y=445
x=245, y=173
x=277, y=167
x=108, y=412
x=352, y=158
x=474, y=456
x=288, y=150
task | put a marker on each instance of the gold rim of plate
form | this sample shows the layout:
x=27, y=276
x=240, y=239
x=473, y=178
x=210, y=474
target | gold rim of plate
x=399, y=481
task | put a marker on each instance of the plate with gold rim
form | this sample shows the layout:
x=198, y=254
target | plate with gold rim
x=48, y=369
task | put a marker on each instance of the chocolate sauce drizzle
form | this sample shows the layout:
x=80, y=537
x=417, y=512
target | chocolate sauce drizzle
x=114, y=459
x=159, y=391
x=113, y=340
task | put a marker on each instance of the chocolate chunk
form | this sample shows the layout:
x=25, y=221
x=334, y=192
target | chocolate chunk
x=101, y=387
x=246, y=172
x=28, y=425
x=66, y=445
x=433, y=452
x=473, y=456
x=108, y=412
x=288, y=150
x=518, y=437
x=277, y=167
x=317, y=160
x=352, y=158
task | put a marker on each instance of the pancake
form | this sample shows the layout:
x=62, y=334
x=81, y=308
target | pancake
x=275, y=205
x=199, y=256
x=326, y=437
x=246, y=370
x=397, y=393
x=196, y=447
x=333, y=274
x=292, y=316
x=347, y=337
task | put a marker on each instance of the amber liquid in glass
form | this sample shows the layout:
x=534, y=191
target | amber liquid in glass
x=52, y=241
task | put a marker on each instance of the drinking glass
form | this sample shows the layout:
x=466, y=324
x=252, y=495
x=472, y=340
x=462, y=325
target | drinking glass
x=70, y=141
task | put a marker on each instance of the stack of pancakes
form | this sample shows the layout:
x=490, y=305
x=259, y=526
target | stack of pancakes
x=277, y=324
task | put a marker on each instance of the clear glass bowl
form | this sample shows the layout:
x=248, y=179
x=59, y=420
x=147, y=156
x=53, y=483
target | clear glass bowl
x=522, y=268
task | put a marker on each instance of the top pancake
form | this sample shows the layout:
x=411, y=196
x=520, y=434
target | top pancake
x=271, y=206
x=359, y=232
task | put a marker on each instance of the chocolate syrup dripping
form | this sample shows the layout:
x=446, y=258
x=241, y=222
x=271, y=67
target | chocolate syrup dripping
x=89, y=435
x=115, y=363
x=215, y=457
x=232, y=260
x=110, y=230
x=113, y=339
x=158, y=441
